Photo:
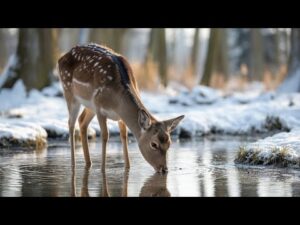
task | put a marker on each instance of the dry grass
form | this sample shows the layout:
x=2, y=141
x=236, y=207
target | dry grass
x=279, y=156
x=38, y=144
x=146, y=75
x=148, y=78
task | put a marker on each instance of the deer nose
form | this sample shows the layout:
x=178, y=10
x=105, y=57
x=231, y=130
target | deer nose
x=162, y=169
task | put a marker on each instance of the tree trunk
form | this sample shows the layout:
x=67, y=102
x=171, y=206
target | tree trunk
x=257, y=57
x=112, y=38
x=162, y=57
x=210, y=56
x=35, y=58
x=292, y=81
x=195, y=52
x=3, y=47
x=157, y=52
x=222, y=54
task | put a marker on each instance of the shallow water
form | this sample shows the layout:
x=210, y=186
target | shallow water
x=202, y=167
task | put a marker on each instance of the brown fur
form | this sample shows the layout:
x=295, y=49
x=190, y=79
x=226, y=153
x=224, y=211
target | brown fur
x=91, y=77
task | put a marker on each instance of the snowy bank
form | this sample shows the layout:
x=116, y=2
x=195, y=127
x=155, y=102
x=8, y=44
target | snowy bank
x=17, y=133
x=207, y=111
x=282, y=149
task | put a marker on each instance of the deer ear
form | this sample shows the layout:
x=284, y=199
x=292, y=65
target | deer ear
x=171, y=124
x=144, y=119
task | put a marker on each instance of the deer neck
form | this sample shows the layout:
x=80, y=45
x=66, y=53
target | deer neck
x=128, y=111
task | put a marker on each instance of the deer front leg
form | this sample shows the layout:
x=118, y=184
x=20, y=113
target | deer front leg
x=74, y=108
x=84, y=121
x=124, y=139
x=104, y=135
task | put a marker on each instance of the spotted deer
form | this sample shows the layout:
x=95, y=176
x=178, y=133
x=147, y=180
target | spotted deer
x=102, y=81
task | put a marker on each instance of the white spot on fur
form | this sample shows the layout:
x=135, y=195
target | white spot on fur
x=109, y=77
x=108, y=66
x=100, y=58
x=81, y=83
x=105, y=72
x=68, y=83
x=101, y=70
x=96, y=64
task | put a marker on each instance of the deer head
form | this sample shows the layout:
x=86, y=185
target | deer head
x=155, y=140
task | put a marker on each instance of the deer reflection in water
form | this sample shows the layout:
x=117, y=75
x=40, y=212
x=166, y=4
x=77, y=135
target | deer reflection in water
x=154, y=186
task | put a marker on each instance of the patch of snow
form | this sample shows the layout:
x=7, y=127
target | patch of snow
x=20, y=132
x=54, y=90
x=290, y=84
x=207, y=111
x=14, y=97
x=281, y=149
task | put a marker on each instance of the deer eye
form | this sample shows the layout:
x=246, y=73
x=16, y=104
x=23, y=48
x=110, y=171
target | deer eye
x=154, y=145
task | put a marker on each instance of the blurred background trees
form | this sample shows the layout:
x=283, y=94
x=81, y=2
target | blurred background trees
x=219, y=57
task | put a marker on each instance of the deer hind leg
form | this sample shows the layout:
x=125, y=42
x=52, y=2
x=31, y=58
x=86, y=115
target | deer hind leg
x=124, y=139
x=73, y=107
x=84, y=120
x=104, y=135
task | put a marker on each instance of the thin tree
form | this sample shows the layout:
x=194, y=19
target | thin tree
x=211, y=56
x=157, y=53
x=195, y=52
x=257, y=55
x=222, y=54
x=162, y=57
x=292, y=81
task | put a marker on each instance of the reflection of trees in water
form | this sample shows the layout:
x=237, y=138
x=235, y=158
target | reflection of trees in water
x=234, y=189
x=208, y=179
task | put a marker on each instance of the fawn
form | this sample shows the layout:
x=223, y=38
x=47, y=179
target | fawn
x=102, y=81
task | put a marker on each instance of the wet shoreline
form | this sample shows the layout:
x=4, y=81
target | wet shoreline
x=197, y=168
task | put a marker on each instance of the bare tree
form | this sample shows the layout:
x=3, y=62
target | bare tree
x=162, y=57
x=157, y=52
x=3, y=51
x=35, y=58
x=222, y=54
x=210, y=56
x=195, y=52
x=257, y=55
x=292, y=81
x=112, y=38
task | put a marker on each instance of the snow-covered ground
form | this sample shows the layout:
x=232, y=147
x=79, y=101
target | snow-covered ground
x=207, y=111
x=282, y=149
